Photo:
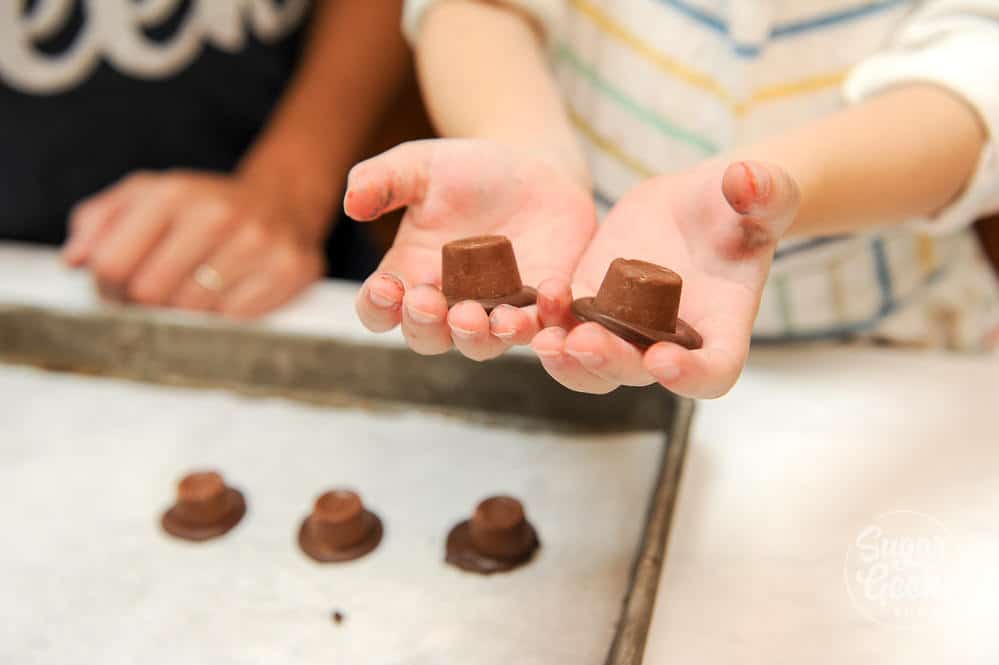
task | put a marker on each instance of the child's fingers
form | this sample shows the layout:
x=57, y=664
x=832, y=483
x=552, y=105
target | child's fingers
x=389, y=181
x=766, y=197
x=554, y=302
x=606, y=355
x=518, y=325
x=515, y=326
x=471, y=334
x=379, y=302
x=424, y=320
x=702, y=374
x=549, y=347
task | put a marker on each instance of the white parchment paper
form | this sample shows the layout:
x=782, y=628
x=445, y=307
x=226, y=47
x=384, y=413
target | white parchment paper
x=86, y=576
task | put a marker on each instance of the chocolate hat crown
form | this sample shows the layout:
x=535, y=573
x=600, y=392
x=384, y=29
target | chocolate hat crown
x=339, y=528
x=642, y=293
x=479, y=267
x=499, y=528
x=338, y=519
x=206, y=507
x=639, y=301
x=201, y=498
x=497, y=538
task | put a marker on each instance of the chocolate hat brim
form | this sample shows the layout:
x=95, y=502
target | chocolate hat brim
x=640, y=336
x=460, y=551
x=323, y=553
x=526, y=296
x=178, y=528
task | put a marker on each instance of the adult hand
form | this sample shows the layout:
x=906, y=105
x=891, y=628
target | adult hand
x=196, y=241
x=456, y=188
x=718, y=227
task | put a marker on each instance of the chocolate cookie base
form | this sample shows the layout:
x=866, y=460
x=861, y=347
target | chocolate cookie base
x=526, y=296
x=198, y=532
x=461, y=553
x=323, y=553
x=640, y=336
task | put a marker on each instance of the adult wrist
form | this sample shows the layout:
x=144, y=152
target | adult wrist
x=289, y=170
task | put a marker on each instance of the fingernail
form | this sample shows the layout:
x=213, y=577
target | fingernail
x=462, y=333
x=548, y=354
x=665, y=373
x=421, y=317
x=550, y=358
x=380, y=300
x=494, y=324
x=587, y=359
x=545, y=302
x=759, y=181
x=558, y=332
x=384, y=292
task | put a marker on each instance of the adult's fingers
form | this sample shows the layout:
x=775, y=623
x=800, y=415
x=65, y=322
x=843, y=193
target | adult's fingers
x=285, y=273
x=139, y=228
x=90, y=219
x=232, y=260
x=195, y=232
x=389, y=181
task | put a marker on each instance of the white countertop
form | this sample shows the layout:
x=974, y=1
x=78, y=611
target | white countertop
x=787, y=471
x=785, y=476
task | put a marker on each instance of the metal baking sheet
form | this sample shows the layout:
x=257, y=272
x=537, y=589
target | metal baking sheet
x=89, y=461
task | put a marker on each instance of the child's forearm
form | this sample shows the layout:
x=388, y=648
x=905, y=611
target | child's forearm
x=904, y=154
x=352, y=68
x=484, y=74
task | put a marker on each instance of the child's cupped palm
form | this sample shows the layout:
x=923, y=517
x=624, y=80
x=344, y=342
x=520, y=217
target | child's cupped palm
x=717, y=226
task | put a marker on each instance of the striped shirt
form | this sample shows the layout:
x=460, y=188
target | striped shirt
x=654, y=86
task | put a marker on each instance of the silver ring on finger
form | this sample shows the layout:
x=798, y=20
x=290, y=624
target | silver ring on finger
x=209, y=278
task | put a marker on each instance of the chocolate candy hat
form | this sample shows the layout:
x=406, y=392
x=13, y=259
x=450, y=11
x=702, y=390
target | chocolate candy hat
x=638, y=301
x=483, y=269
x=498, y=538
x=340, y=528
x=206, y=507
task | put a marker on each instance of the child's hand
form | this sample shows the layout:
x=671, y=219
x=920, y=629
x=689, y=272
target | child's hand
x=456, y=188
x=716, y=226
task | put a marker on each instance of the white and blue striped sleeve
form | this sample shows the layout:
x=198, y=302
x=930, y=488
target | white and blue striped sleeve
x=547, y=15
x=953, y=44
